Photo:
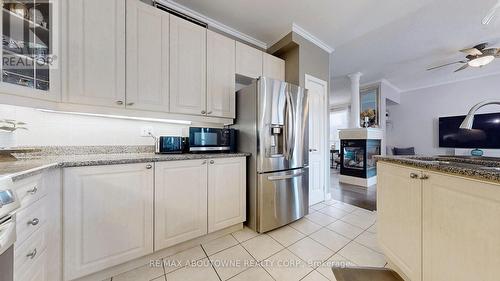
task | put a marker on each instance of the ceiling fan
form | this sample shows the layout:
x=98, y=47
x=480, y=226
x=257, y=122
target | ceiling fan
x=477, y=56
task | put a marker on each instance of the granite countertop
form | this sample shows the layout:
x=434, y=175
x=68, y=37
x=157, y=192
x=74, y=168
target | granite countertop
x=481, y=168
x=31, y=164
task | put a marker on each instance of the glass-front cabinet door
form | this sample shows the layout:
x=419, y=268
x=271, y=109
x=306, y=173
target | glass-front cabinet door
x=28, y=49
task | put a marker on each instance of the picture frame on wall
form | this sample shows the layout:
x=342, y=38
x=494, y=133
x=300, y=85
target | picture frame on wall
x=370, y=107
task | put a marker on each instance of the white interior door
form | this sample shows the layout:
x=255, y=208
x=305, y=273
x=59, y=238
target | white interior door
x=318, y=90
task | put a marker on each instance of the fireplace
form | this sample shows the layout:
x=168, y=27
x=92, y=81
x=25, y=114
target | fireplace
x=357, y=150
x=357, y=158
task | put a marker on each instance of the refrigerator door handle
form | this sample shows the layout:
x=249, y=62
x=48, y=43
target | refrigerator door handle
x=285, y=177
x=289, y=127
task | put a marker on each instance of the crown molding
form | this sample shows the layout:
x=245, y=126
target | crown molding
x=313, y=39
x=380, y=81
x=383, y=80
x=213, y=23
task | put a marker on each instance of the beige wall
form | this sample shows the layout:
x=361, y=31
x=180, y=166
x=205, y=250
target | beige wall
x=302, y=57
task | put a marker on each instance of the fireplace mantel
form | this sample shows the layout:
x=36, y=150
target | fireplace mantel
x=361, y=134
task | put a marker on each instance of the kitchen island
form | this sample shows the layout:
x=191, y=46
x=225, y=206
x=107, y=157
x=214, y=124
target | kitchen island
x=438, y=217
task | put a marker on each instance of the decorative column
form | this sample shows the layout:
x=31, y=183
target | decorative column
x=354, y=121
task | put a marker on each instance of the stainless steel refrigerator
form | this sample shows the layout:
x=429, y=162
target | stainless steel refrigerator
x=273, y=122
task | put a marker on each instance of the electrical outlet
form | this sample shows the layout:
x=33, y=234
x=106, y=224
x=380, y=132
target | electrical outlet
x=146, y=131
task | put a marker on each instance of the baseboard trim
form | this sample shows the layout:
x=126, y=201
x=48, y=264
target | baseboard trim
x=115, y=270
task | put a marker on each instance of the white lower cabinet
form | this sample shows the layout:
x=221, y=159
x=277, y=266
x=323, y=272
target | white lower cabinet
x=436, y=227
x=37, y=271
x=461, y=229
x=226, y=192
x=399, y=209
x=180, y=201
x=37, y=250
x=108, y=216
x=114, y=213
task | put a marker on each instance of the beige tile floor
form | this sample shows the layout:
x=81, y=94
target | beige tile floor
x=333, y=234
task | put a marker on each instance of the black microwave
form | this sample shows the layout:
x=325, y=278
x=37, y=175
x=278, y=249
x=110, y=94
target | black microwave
x=212, y=140
x=171, y=145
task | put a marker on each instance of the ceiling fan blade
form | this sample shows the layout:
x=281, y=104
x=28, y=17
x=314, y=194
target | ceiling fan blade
x=472, y=51
x=491, y=14
x=491, y=51
x=436, y=67
x=462, y=68
x=482, y=46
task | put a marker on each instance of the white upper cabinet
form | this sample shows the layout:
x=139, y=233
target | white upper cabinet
x=188, y=71
x=220, y=76
x=273, y=67
x=248, y=61
x=31, y=51
x=108, y=216
x=147, y=57
x=180, y=201
x=96, y=52
x=226, y=192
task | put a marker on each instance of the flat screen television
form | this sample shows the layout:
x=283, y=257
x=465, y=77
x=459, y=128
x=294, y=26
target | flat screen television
x=485, y=132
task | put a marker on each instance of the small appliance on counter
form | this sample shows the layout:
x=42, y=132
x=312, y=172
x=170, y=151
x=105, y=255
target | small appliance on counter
x=212, y=140
x=171, y=145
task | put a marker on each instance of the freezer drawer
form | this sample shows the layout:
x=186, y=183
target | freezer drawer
x=283, y=198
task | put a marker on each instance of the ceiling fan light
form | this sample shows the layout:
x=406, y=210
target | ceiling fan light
x=481, y=61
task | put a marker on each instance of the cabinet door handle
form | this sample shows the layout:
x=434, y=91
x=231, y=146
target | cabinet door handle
x=424, y=177
x=33, y=190
x=149, y=166
x=413, y=176
x=32, y=254
x=130, y=104
x=119, y=102
x=204, y=162
x=203, y=112
x=210, y=112
x=34, y=222
x=212, y=161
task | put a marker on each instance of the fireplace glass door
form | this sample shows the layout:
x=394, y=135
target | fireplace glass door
x=357, y=158
x=354, y=158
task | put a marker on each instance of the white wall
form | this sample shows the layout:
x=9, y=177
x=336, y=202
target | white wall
x=340, y=92
x=46, y=129
x=414, y=122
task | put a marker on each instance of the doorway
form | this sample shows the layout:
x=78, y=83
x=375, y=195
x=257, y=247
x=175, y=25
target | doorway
x=318, y=90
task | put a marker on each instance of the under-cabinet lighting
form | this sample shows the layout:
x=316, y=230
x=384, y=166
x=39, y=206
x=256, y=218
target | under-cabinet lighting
x=183, y=122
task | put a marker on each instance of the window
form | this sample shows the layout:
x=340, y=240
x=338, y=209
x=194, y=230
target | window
x=339, y=119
